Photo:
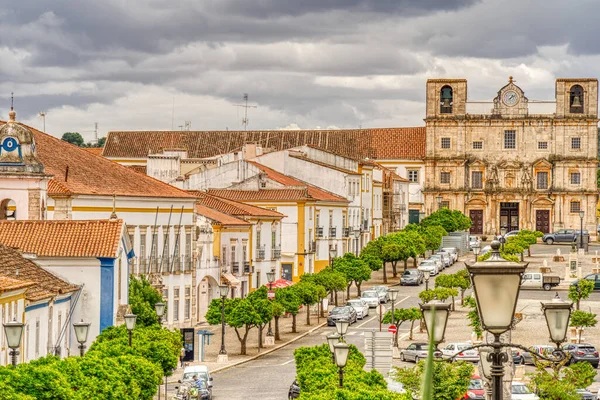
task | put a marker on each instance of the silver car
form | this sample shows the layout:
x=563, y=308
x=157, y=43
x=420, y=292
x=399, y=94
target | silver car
x=453, y=253
x=442, y=259
x=447, y=256
x=457, y=352
x=361, y=307
x=371, y=298
x=383, y=293
x=415, y=352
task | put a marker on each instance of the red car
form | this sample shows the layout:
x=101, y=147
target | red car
x=475, y=391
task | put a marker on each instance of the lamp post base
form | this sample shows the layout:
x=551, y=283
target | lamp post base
x=395, y=352
x=222, y=358
x=269, y=341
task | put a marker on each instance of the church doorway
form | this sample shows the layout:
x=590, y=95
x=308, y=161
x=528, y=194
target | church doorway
x=509, y=216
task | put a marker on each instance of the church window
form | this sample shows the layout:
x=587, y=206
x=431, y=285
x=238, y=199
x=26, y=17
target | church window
x=478, y=145
x=542, y=180
x=444, y=204
x=413, y=175
x=576, y=100
x=575, y=178
x=575, y=206
x=510, y=140
x=445, y=143
x=446, y=100
x=477, y=179
x=445, y=177
x=542, y=145
x=575, y=143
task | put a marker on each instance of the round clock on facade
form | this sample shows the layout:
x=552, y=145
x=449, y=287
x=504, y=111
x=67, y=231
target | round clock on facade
x=510, y=98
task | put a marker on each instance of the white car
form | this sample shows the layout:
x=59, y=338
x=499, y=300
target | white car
x=457, y=351
x=371, y=298
x=447, y=256
x=444, y=261
x=361, y=307
x=453, y=253
x=520, y=391
x=430, y=265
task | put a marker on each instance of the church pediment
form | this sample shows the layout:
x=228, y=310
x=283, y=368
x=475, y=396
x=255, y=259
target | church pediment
x=506, y=165
x=510, y=100
x=542, y=201
x=477, y=164
x=476, y=201
x=542, y=163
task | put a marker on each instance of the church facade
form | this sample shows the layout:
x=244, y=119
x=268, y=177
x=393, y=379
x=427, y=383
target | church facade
x=513, y=163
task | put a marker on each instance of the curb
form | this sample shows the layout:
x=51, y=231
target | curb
x=264, y=353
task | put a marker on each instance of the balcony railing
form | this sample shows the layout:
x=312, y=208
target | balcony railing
x=346, y=232
x=260, y=253
x=247, y=268
x=365, y=225
x=188, y=263
x=276, y=253
x=169, y=265
x=320, y=232
x=235, y=267
x=332, y=232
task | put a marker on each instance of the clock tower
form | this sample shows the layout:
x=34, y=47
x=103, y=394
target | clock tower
x=510, y=101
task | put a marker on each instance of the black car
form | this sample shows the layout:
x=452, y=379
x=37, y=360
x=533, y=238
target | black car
x=343, y=312
x=412, y=276
x=517, y=356
x=294, y=391
x=582, y=352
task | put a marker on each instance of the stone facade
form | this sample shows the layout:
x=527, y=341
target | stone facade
x=513, y=163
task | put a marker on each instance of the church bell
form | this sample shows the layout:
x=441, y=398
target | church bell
x=576, y=103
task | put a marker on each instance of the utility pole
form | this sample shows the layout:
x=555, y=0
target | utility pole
x=246, y=107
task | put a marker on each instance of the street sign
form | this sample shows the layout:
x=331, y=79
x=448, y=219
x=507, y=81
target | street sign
x=271, y=294
x=392, y=329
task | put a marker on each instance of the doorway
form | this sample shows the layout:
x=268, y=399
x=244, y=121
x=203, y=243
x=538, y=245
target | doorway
x=509, y=216
x=477, y=222
x=286, y=271
x=542, y=221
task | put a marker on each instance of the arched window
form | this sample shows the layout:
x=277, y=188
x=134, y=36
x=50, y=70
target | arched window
x=8, y=209
x=446, y=100
x=576, y=100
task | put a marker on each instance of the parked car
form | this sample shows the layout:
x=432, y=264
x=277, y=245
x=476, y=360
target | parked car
x=453, y=251
x=585, y=394
x=511, y=233
x=370, y=297
x=591, y=277
x=537, y=280
x=485, y=250
x=449, y=259
x=537, y=349
x=474, y=242
x=202, y=372
x=475, y=391
x=520, y=391
x=412, y=276
x=442, y=259
x=294, y=391
x=455, y=351
x=431, y=266
x=564, y=236
x=383, y=293
x=517, y=357
x=343, y=312
x=360, y=306
x=416, y=352
x=582, y=352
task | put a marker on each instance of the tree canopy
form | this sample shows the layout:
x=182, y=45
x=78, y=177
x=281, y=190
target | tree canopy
x=142, y=298
x=450, y=220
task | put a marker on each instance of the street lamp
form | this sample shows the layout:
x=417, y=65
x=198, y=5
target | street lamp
x=332, y=340
x=435, y=314
x=581, y=215
x=13, y=331
x=427, y=275
x=476, y=251
x=557, y=313
x=81, y=333
x=341, y=358
x=356, y=236
x=341, y=326
x=270, y=279
x=160, y=311
x=393, y=296
x=223, y=291
x=130, y=324
x=332, y=256
x=439, y=202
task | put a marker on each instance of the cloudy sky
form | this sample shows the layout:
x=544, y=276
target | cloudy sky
x=304, y=63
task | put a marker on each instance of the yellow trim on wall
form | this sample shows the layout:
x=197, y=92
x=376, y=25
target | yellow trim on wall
x=118, y=160
x=301, y=241
x=125, y=209
x=320, y=265
x=14, y=297
x=251, y=254
x=217, y=241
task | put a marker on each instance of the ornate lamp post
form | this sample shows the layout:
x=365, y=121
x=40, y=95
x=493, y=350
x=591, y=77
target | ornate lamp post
x=341, y=326
x=476, y=251
x=581, y=215
x=427, y=276
x=435, y=315
x=130, y=324
x=81, y=333
x=341, y=358
x=332, y=256
x=393, y=296
x=13, y=331
x=160, y=311
x=557, y=313
x=356, y=236
x=270, y=279
x=332, y=340
x=223, y=291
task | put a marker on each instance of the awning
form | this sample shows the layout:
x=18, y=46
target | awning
x=233, y=281
x=281, y=283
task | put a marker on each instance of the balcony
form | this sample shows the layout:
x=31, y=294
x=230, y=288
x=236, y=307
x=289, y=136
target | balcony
x=320, y=232
x=332, y=232
x=312, y=246
x=276, y=253
x=365, y=225
x=346, y=232
x=260, y=253
x=235, y=268
x=247, y=267
x=188, y=263
x=176, y=265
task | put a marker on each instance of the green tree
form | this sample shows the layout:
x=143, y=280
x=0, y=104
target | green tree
x=581, y=291
x=415, y=244
x=506, y=256
x=563, y=385
x=473, y=315
x=354, y=269
x=264, y=307
x=432, y=236
x=451, y=221
x=450, y=380
x=463, y=282
x=290, y=301
x=142, y=298
x=448, y=281
x=278, y=311
x=581, y=319
x=331, y=280
x=401, y=315
x=73, y=138
x=308, y=293
x=374, y=249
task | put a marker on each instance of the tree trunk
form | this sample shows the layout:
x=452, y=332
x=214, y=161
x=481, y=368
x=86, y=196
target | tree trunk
x=577, y=304
x=260, y=337
x=331, y=298
x=348, y=290
x=453, y=303
x=410, y=334
x=462, y=297
x=358, y=287
x=522, y=256
x=277, y=337
x=294, y=323
x=384, y=273
x=415, y=261
x=242, y=339
x=529, y=251
x=579, y=336
x=307, y=314
x=336, y=300
x=405, y=264
x=421, y=326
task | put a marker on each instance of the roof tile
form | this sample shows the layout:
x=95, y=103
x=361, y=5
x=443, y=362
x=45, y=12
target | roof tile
x=219, y=217
x=231, y=207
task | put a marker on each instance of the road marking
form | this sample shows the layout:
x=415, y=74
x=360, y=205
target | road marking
x=371, y=319
x=287, y=362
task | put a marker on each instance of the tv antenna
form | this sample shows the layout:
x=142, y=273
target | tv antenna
x=43, y=115
x=246, y=107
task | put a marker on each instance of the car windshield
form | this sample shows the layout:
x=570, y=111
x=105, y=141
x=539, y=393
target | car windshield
x=435, y=257
x=188, y=376
x=409, y=272
x=476, y=384
x=426, y=263
x=369, y=294
x=339, y=310
x=520, y=389
x=355, y=303
x=462, y=346
x=587, y=349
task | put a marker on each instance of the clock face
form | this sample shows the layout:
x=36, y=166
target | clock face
x=510, y=98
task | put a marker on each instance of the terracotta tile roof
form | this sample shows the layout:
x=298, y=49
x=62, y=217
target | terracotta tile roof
x=7, y=283
x=138, y=168
x=313, y=191
x=95, y=238
x=391, y=172
x=89, y=174
x=376, y=143
x=97, y=151
x=232, y=207
x=262, y=194
x=219, y=217
x=45, y=285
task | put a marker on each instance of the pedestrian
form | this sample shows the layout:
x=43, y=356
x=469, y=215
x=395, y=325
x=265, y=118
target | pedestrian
x=182, y=356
